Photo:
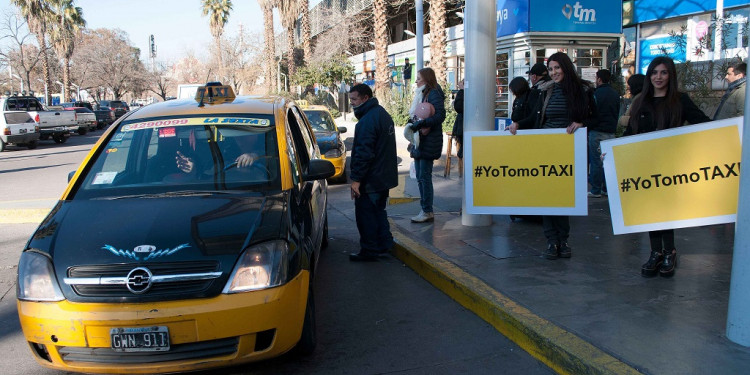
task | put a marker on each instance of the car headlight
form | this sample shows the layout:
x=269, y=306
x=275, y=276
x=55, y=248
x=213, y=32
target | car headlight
x=262, y=266
x=333, y=153
x=36, y=279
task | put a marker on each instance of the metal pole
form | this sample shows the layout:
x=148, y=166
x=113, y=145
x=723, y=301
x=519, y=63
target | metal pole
x=278, y=75
x=420, y=33
x=479, y=87
x=738, y=317
x=718, y=33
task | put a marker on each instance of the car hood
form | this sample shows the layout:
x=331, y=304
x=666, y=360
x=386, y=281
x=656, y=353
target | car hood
x=146, y=230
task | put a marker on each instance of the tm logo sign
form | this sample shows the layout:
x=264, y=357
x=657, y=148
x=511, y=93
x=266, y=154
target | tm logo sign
x=578, y=12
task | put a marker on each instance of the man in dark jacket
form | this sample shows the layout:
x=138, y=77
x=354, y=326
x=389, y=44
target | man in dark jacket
x=608, y=110
x=537, y=76
x=373, y=171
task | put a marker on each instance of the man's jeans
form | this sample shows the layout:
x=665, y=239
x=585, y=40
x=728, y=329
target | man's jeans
x=424, y=180
x=595, y=152
x=372, y=221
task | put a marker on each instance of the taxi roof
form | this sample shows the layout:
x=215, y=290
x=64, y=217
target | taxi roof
x=263, y=105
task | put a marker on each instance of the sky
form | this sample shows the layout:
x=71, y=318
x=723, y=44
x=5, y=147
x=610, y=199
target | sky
x=178, y=26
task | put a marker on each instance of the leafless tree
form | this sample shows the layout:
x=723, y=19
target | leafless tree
x=21, y=55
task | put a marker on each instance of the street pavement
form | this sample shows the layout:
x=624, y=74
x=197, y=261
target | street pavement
x=593, y=313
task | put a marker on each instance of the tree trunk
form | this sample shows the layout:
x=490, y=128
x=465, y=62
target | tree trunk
x=66, y=78
x=290, y=53
x=306, y=32
x=382, y=71
x=437, y=40
x=45, y=68
x=270, y=51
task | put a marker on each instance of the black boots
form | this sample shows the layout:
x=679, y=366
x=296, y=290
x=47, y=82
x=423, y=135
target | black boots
x=663, y=263
x=551, y=251
x=669, y=264
x=554, y=251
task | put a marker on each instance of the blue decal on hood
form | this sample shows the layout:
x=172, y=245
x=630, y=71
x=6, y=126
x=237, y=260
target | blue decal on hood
x=133, y=254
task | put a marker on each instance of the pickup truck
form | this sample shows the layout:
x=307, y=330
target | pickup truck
x=17, y=127
x=105, y=116
x=85, y=117
x=54, y=124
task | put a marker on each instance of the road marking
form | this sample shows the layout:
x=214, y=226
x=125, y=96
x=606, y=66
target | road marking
x=23, y=216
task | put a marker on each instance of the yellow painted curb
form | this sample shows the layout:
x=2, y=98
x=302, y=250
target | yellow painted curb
x=23, y=216
x=562, y=351
x=400, y=200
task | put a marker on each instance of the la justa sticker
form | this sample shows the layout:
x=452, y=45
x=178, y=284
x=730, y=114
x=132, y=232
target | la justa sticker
x=143, y=252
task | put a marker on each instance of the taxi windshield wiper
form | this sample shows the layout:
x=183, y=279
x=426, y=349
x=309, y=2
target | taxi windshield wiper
x=180, y=193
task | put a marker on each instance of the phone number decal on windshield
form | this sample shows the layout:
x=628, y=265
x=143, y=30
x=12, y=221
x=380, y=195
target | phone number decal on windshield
x=197, y=121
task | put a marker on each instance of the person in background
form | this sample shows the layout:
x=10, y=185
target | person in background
x=458, y=125
x=566, y=102
x=373, y=171
x=430, y=140
x=608, y=110
x=538, y=76
x=733, y=101
x=635, y=85
x=407, y=74
x=661, y=106
x=519, y=86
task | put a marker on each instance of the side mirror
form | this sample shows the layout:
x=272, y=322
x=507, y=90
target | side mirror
x=70, y=175
x=319, y=169
x=342, y=129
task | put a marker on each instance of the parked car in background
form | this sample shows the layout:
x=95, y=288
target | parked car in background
x=118, y=106
x=57, y=124
x=104, y=115
x=19, y=128
x=85, y=117
x=210, y=216
x=328, y=136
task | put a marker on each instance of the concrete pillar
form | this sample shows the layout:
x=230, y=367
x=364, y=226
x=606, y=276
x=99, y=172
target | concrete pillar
x=480, y=30
x=738, y=317
x=419, y=37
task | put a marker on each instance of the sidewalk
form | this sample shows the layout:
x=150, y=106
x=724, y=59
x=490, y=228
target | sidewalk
x=591, y=314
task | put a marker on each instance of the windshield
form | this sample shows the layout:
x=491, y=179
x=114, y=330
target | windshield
x=164, y=155
x=321, y=121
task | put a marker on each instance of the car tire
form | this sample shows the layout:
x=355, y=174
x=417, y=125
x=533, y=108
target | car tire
x=309, y=338
x=2, y=146
x=32, y=145
x=59, y=138
x=83, y=130
x=44, y=137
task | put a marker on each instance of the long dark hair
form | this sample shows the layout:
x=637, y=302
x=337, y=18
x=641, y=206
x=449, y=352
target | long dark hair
x=669, y=113
x=428, y=76
x=572, y=86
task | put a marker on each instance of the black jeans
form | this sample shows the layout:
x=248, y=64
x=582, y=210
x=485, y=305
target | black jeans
x=658, y=237
x=556, y=228
x=372, y=221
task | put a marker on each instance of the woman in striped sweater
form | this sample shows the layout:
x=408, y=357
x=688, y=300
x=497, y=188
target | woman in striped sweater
x=566, y=102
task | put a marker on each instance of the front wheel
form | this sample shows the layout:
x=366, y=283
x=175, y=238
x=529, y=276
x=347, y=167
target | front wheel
x=59, y=138
x=83, y=130
x=2, y=145
x=309, y=339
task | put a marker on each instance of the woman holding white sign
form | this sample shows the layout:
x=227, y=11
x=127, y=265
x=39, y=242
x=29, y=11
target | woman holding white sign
x=567, y=102
x=661, y=106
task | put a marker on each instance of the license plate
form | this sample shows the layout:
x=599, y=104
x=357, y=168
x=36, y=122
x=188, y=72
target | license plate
x=140, y=339
x=22, y=131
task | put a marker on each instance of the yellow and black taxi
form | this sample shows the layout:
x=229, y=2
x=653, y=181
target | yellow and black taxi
x=328, y=136
x=209, y=216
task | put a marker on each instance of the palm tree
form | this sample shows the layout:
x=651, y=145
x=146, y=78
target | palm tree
x=218, y=12
x=268, y=38
x=437, y=39
x=36, y=13
x=304, y=6
x=68, y=19
x=382, y=79
x=289, y=10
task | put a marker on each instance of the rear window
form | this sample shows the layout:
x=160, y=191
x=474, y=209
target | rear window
x=17, y=118
x=83, y=110
x=23, y=104
x=163, y=155
x=320, y=120
x=115, y=104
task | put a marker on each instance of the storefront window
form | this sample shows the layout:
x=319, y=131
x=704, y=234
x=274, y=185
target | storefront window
x=501, y=83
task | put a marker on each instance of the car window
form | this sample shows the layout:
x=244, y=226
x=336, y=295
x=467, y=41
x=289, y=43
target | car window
x=301, y=145
x=17, y=118
x=320, y=120
x=306, y=132
x=154, y=156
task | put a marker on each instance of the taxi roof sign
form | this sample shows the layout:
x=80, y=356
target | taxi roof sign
x=214, y=93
